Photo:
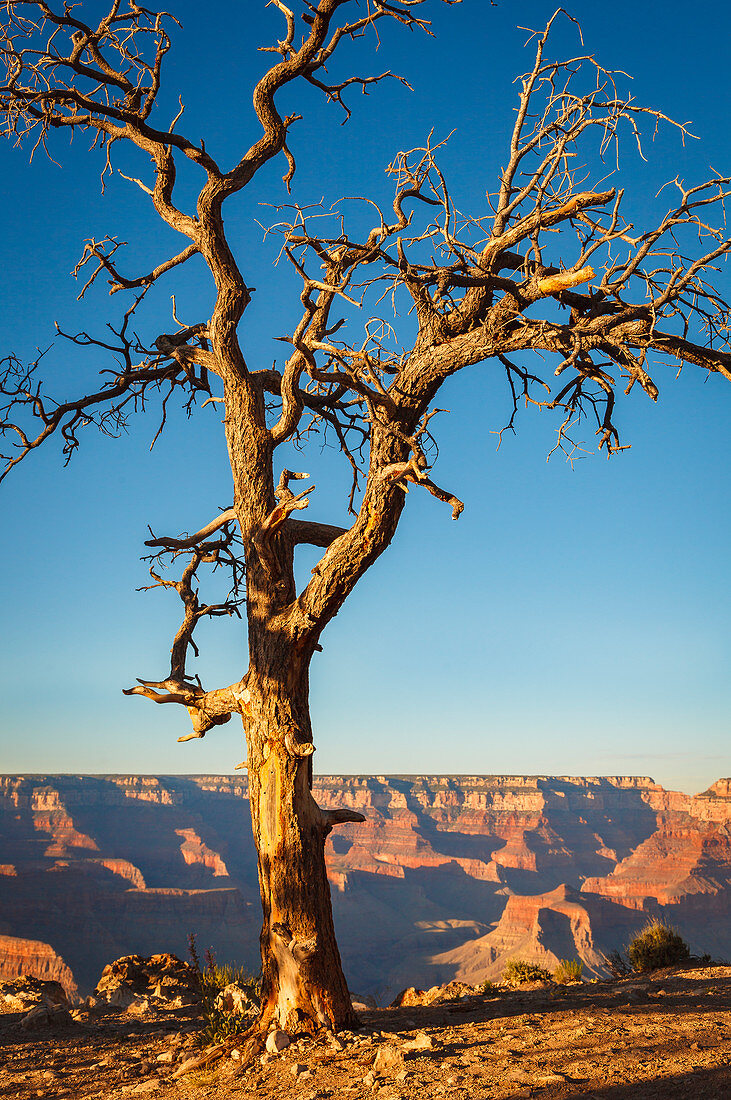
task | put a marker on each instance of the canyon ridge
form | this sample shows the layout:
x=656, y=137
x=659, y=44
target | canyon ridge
x=448, y=878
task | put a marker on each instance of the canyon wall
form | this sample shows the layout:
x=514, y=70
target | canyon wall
x=448, y=877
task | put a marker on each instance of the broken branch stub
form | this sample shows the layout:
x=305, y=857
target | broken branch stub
x=297, y=748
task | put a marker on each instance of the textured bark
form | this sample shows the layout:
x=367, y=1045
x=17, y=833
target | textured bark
x=303, y=983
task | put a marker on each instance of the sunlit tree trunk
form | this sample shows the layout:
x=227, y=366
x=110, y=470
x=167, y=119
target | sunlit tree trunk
x=303, y=983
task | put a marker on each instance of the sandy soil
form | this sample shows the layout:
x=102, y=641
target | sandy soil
x=666, y=1036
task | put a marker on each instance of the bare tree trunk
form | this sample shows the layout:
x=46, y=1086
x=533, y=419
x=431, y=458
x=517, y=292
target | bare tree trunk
x=303, y=984
x=303, y=987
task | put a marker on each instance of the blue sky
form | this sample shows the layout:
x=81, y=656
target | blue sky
x=575, y=620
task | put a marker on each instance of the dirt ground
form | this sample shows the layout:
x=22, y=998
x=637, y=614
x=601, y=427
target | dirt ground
x=666, y=1036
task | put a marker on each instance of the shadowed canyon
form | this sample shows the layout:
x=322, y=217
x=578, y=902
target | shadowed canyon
x=448, y=877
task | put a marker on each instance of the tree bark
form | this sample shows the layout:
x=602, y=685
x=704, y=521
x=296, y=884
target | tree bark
x=303, y=984
x=303, y=987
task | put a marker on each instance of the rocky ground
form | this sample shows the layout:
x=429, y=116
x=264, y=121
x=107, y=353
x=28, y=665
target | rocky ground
x=667, y=1036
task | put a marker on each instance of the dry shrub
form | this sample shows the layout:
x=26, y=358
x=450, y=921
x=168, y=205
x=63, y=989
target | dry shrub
x=655, y=946
x=568, y=970
x=518, y=971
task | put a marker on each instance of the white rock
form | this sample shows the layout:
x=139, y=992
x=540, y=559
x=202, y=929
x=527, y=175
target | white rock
x=276, y=1041
x=166, y=1056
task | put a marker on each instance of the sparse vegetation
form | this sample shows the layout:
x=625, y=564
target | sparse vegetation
x=618, y=963
x=518, y=971
x=219, y=1021
x=488, y=987
x=568, y=970
x=657, y=945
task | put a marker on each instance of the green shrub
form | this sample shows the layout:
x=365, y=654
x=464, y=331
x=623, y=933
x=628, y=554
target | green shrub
x=568, y=970
x=488, y=987
x=655, y=946
x=220, y=1024
x=518, y=971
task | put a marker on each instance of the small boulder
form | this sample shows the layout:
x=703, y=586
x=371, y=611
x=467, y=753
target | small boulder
x=421, y=1041
x=26, y=992
x=438, y=994
x=44, y=1015
x=408, y=998
x=276, y=1041
x=164, y=977
x=388, y=1061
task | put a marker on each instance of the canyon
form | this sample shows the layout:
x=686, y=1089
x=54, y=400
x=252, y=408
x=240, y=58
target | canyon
x=447, y=878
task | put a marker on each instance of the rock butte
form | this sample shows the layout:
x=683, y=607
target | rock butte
x=448, y=877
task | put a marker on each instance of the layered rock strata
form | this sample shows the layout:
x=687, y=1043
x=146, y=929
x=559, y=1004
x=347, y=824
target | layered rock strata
x=447, y=878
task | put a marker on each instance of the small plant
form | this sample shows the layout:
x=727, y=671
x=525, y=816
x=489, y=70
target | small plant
x=568, y=970
x=655, y=946
x=195, y=961
x=488, y=987
x=518, y=972
x=221, y=1021
x=619, y=965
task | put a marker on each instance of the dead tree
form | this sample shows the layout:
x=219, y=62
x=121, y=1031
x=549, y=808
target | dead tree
x=549, y=265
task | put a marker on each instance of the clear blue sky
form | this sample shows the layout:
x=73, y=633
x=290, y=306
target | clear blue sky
x=574, y=620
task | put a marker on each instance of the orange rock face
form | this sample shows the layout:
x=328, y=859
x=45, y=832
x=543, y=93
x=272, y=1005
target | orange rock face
x=20, y=957
x=447, y=878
